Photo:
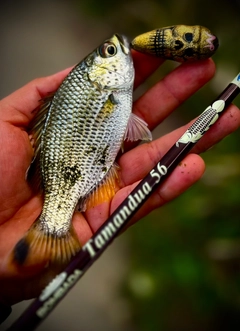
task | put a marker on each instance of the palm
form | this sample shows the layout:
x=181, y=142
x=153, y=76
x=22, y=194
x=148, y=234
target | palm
x=19, y=207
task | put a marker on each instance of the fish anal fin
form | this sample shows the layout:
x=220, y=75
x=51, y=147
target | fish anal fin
x=137, y=129
x=38, y=248
x=105, y=191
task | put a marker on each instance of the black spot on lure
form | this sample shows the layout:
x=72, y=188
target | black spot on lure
x=179, y=43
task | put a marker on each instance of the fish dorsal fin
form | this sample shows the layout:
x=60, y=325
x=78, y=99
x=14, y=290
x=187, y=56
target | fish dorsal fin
x=137, y=129
x=35, y=133
x=104, y=191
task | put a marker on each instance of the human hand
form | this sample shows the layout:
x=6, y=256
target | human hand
x=19, y=207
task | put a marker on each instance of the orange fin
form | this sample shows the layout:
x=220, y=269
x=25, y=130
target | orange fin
x=106, y=189
x=40, y=248
x=137, y=129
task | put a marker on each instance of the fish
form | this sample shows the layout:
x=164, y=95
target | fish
x=181, y=43
x=77, y=135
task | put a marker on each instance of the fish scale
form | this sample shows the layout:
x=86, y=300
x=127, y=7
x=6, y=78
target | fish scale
x=78, y=134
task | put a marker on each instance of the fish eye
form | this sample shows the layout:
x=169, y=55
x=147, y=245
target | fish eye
x=108, y=50
x=188, y=36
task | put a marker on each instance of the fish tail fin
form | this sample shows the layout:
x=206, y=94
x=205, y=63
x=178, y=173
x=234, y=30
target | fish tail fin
x=39, y=248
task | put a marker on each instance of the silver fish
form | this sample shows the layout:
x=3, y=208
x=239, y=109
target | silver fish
x=77, y=135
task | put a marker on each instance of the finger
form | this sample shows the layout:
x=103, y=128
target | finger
x=15, y=157
x=136, y=163
x=17, y=107
x=184, y=175
x=144, y=66
x=20, y=103
x=158, y=102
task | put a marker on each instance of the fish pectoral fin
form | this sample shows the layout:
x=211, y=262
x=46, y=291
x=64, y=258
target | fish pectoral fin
x=38, y=248
x=137, y=129
x=35, y=133
x=104, y=192
x=113, y=97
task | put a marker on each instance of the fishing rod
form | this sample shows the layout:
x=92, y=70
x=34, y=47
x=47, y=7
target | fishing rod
x=96, y=245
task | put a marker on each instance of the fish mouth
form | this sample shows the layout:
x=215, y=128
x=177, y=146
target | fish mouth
x=124, y=43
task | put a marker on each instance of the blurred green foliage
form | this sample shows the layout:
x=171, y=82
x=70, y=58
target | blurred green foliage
x=185, y=257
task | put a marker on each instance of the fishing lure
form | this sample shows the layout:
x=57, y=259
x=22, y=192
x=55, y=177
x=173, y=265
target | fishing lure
x=178, y=42
x=79, y=131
